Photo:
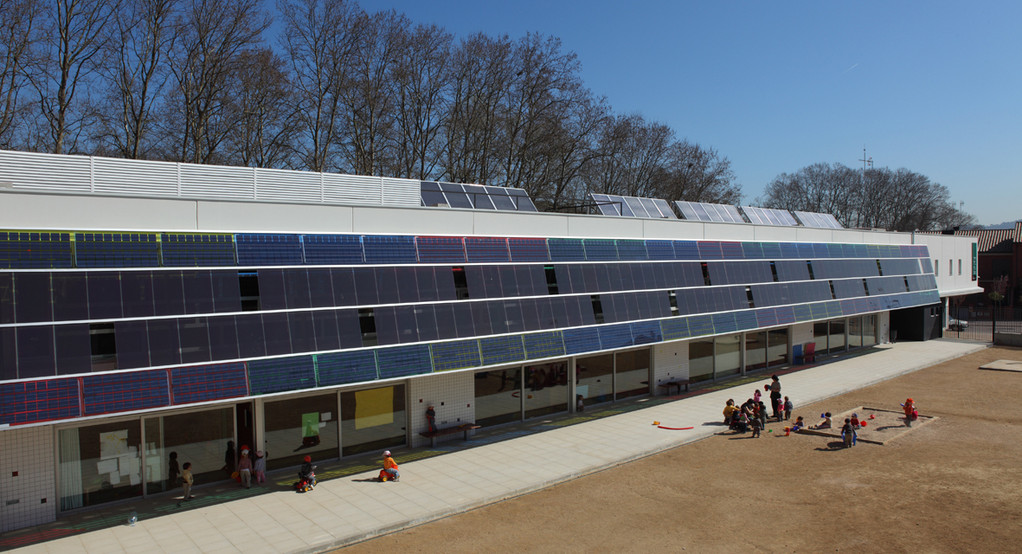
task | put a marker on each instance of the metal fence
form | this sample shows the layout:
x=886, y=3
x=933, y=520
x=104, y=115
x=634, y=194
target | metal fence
x=981, y=323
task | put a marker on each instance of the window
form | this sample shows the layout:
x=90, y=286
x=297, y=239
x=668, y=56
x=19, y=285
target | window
x=950, y=268
x=959, y=266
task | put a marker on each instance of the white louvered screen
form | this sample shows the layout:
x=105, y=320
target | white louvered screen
x=280, y=185
x=45, y=172
x=134, y=177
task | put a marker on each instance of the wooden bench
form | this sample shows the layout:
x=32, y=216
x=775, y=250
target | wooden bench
x=465, y=428
x=677, y=383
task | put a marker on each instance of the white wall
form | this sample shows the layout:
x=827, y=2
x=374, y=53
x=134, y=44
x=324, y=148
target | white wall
x=28, y=498
x=670, y=362
x=452, y=396
x=948, y=248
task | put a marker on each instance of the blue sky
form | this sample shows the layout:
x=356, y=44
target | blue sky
x=934, y=87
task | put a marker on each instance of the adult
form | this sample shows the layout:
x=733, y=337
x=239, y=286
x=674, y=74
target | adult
x=173, y=472
x=775, y=396
x=230, y=458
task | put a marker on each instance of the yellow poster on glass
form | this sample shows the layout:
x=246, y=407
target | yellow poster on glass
x=374, y=407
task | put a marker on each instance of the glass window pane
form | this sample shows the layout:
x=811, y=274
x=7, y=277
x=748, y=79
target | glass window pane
x=498, y=397
x=547, y=386
x=594, y=379
x=632, y=373
x=84, y=453
x=197, y=438
x=362, y=427
x=300, y=427
x=729, y=356
x=700, y=360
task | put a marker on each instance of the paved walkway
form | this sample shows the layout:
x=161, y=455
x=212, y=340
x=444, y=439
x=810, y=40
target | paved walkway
x=346, y=510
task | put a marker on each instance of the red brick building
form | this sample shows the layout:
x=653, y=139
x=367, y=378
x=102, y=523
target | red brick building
x=1000, y=254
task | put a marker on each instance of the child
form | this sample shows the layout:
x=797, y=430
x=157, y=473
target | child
x=826, y=423
x=259, y=467
x=788, y=407
x=848, y=433
x=729, y=409
x=855, y=420
x=187, y=481
x=245, y=468
x=756, y=426
x=799, y=424
x=911, y=411
x=389, y=468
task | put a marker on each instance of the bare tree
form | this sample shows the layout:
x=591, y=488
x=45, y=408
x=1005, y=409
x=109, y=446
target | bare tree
x=572, y=150
x=214, y=33
x=632, y=154
x=318, y=39
x=697, y=174
x=77, y=32
x=261, y=103
x=137, y=74
x=18, y=20
x=421, y=94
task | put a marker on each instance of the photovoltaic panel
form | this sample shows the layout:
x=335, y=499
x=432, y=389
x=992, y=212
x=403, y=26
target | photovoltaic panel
x=543, y=345
x=486, y=249
x=710, y=250
x=36, y=401
x=478, y=197
x=705, y=211
x=600, y=250
x=566, y=250
x=269, y=249
x=389, y=249
x=732, y=250
x=500, y=350
x=818, y=220
x=636, y=249
x=30, y=249
x=194, y=249
x=583, y=339
x=675, y=328
x=440, y=249
x=646, y=332
x=528, y=250
x=615, y=336
x=745, y=320
x=332, y=249
x=124, y=391
x=339, y=368
x=766, y=317
x=521, y=200
x=686, y=250
x=431, y=195
x=208, y=382
x=665, y=208
x=769, y=216
x=281, y=374
x=658, y=249
x=402, y=361
x=117, y=250
x=724, y=323
x=501, y=200
x=605, y=205
x=700, y=325
x=632, y=206
x=455, y=355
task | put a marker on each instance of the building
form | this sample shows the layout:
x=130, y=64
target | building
x=999, y=257
x=149, y=308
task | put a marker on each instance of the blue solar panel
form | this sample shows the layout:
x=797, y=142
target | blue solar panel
x=675, y=328
x=658, y=249
x=124, y=391
x=486, y=249
x=455, y=355
x=724, y=323
x=732, y=250
x=388, y=249
x=193, y=250
x=585, y=339
x=117, y=250
x=528, y=250
x=700, y=325
x=339, y=368
x=600, y=250
x=281, y=374
x=440, y=249
x=801, y=312
x=646, y=332
x=746, y=320
x=756, y=250
x=566, y=250
x=29, y=250
x=543, y=345
x=499, y=350
x=332, y=249
x=789, y=250
x=615, y=336
x=36, y=401
x=207, y=382
x=402, y=361
x=266, y=249
x=686, y=250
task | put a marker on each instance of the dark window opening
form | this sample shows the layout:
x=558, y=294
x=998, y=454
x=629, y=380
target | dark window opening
x=865, y=286
x=809, y=264
x=551, y=279
x=706, y=274
x=460, y=283
x=367, y=325
x=597, y=308
x=880, y=269
x=673, y=296
x=248, y=282
x=833, y=295
x=748, y=293
x=773, y=271
x=907, y=288
x=104, y=347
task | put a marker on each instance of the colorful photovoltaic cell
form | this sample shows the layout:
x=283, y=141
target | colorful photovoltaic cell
x=675, y=328
x=455, y=355
x=117, y=250
x=646, y=332
x=441, y=249
x=632, y=249
x=196, y=250
x=746, y=320
x=340, y=368
x=700, y=325
x=486, y=249
x=34, y=250
x=658, y=249
x=686, y=250
x=266, y=249
x=615, y=336
x=501, y=350
x=208, y=382
x=566, y=250
x=36, y=401
x=802, y=313
x=583, y=339
x=332, y=249
x=544, y=345
x=124, y=391
x=724, y=323
x=528, y=250
x=403, y=361
x=602, y=250
x=281, y=374
x=766, y=317
x=389, y=249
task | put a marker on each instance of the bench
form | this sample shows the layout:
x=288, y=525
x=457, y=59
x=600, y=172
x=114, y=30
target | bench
x=465, y=428
x=677, y=383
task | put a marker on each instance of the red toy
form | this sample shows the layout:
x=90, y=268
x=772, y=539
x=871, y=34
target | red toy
x=862, y=423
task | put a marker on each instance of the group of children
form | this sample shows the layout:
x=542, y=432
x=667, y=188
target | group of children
x=752, y=414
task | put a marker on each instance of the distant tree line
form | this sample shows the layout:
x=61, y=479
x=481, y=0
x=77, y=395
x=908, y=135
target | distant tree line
x=339, y=89
x=897, y=200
